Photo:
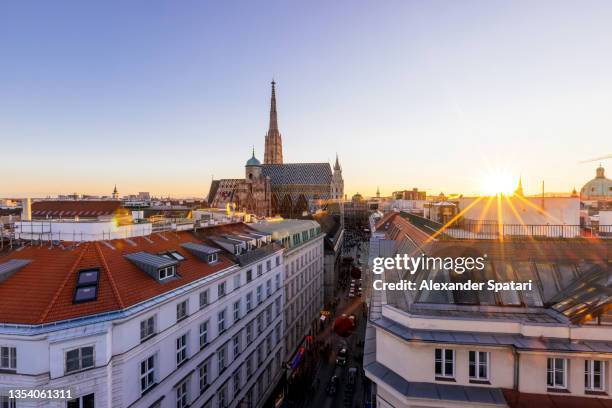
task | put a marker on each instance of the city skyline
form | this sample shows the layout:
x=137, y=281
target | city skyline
x=479, y=89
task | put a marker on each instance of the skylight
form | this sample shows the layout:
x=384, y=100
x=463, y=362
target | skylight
x=87, y=285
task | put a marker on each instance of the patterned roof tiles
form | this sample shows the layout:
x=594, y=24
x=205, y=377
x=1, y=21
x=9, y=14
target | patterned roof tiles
x=298, y=173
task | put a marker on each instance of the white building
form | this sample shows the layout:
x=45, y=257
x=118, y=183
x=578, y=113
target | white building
x=547, y=346
x=303, y=278
x=164, y=320
x=519, y=215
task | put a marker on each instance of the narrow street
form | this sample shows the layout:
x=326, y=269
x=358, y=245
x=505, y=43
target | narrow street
x=344, y=396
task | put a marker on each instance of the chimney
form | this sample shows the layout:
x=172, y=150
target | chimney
x=26, y=209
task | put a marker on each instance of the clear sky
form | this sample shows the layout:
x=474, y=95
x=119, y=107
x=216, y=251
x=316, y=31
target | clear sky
x=158, y=95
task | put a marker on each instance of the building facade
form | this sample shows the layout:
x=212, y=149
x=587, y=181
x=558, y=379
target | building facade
x=164, y=320
x=545, y=346
x=303, y=277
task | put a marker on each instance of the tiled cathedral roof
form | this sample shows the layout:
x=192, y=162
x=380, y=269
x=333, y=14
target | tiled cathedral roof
x=298, y=173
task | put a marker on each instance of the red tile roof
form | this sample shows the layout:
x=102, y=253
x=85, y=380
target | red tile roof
x=43, y=290
x=517, y=399
x=80, y=208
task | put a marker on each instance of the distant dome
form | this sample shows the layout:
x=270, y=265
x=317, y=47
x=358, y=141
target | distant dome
x=357, y=197
x=253, y=160
x=598, y=188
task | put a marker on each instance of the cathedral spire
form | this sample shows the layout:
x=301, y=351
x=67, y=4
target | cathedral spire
x=273, y=153
x=273, y=114
x=337, y=164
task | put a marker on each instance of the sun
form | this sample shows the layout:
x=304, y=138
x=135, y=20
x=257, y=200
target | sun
x=498, y=182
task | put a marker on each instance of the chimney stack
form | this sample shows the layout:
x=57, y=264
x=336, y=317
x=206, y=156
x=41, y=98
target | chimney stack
x=26, y=209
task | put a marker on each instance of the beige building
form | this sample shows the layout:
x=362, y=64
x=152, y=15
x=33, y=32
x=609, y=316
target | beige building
x=549, y=345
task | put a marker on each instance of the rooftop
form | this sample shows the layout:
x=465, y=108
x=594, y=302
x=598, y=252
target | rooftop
x=43, y=290
x=75, y=208
x=572, y=279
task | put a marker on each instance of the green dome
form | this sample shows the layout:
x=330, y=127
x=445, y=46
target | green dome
x=253, y=161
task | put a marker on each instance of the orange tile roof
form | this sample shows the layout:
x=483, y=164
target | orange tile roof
x=43, y=290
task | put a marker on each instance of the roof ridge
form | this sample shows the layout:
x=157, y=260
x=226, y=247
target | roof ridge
x=63, y=284
x=110, y=276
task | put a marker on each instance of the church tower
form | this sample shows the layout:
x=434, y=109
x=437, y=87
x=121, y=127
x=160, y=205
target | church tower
x=274, y=144
x=337, y=184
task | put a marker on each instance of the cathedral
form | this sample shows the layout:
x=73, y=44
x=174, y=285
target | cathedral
x=278, y=188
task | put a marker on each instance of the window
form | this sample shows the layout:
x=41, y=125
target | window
x=269, y=314
x=222, y=397
x=479, y=365
x=249, y=301
x=204, y=298
x=236, y=281
x=181, y=310
x=203, y=334
x=259, y=270
x=237, y=382
x=556, y=373
x=249, y=366
x=249, y=275
x=177, y=256
x=236, y=343
x=237, y=310
x=6, y=402
x=268, y=265
x=221, y=359
x=221, y=321
x=594, y=377
x=277, y=260
x=79, y=359
x=278, y=281
x=259, y=323
x=277, y=302
x=86, y=401
x=249, y=332
x=445, y=363
x=204, y=371
x=147, y=373
x=277, y=333
x=259, y=293
x=221, y=290
x=268, y=287
x=260, y=354
x=212, y=258
x=181, y=349
x=181, y=394
x=87, y=286
x=147, y=328
x=8, y=358
x=167, y=272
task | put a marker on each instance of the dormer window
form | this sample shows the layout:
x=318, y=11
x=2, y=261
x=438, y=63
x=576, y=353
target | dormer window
x=87, y=285
x=203, y=252
x=160, y=268
x=167, y=272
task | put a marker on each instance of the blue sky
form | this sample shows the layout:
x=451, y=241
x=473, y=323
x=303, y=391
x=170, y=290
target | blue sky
x=159, y=96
